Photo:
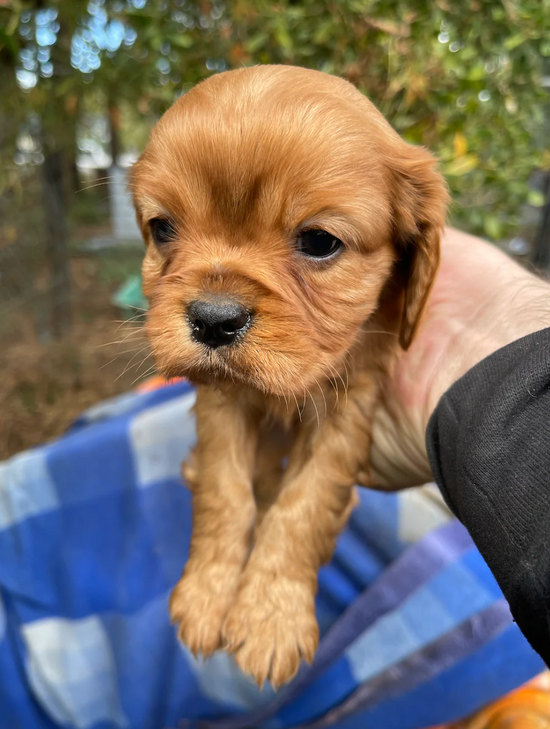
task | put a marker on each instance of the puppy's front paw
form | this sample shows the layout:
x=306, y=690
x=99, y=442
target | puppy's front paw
x=200, y=611
x=271, y=628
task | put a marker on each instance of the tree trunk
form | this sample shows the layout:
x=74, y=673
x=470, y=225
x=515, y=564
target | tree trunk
x=60, y=282
x=58, y=146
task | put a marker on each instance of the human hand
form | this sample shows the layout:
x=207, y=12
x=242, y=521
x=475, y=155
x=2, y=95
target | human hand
x=482, y=300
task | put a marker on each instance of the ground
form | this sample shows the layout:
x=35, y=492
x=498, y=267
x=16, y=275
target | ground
x=44, y=386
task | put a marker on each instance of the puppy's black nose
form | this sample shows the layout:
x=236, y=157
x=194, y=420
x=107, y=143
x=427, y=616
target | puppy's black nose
x=218, y=321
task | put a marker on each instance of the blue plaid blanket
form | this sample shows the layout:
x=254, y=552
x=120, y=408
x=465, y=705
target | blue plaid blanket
x=94, y=531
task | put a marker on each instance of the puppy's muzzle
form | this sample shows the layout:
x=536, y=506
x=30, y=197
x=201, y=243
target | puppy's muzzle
x=218, y=322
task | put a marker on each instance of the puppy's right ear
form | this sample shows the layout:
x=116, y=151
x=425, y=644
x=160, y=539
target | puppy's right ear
x=420, y=199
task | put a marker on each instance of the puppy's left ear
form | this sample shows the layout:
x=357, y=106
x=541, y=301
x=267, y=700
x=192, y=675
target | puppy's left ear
x=419, y=206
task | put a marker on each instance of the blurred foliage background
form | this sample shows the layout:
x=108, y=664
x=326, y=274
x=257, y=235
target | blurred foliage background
x=466, y=79
x=83, y=81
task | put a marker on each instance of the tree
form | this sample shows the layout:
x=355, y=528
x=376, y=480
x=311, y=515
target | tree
x=462, y=78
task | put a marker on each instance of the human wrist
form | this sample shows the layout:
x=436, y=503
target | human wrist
x=481, y=301
x=518, y=306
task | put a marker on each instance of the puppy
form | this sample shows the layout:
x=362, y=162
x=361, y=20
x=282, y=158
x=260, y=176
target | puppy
x=292, y=240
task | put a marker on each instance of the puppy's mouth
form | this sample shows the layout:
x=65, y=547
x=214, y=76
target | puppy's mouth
x=217, y=344
x=218, y=327
x=218, y=365
x=226, y=342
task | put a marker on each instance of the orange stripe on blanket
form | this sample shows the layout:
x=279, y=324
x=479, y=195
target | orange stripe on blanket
x=526, y=708
x=156, y=382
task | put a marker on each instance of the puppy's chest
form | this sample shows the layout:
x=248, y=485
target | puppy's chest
x=335, y=401
x=352, y=392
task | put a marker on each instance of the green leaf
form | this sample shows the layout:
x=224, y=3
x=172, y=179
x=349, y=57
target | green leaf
x=324, y=32
x=535, y=198
x=461, y=165
x=514, y=41
x=254, y=44
x=283, y=39
x=476, y=73
x=492, y=227
x=182, y=40
x=8, y=41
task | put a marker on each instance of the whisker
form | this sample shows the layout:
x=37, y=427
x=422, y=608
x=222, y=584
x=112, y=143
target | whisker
x=286, y=402
x=130, y=324
x=323, y=394
x=127, y=351
x=138, y=308
x=297, y=406
x=144, y=360
x=336, y=390
x=132, y=320
x=131, y=367
x=347, y=381
x=140, y=351
x=141, y=312
x=315, y=406
x=145, y=374
x=132, y=332
x=102, y=181
x=379, y=331
x=342, y=381
x=125, y=340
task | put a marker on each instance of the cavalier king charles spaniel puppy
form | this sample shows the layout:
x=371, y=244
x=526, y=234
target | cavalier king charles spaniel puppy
x=292, y=240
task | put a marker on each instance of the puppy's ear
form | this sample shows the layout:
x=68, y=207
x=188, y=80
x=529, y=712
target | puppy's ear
x=420, y=201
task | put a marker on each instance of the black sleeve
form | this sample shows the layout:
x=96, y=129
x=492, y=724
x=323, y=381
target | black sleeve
x=488, y=443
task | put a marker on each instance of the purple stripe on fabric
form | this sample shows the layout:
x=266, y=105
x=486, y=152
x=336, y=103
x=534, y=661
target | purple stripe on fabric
x=423, y=665
x=416, y=566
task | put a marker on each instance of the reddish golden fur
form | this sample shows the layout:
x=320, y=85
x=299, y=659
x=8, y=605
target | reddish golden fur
x=240, y=164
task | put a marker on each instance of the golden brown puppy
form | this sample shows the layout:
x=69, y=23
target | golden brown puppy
x=292, y=240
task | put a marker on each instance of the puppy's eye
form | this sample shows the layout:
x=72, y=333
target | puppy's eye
x=318, y=244
x=162, y=230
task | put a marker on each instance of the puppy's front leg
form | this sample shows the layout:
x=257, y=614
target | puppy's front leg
x=223, y=516
x=271, y=626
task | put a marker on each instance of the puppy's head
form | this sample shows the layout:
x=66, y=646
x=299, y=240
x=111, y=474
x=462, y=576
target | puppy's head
x=276, y=203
